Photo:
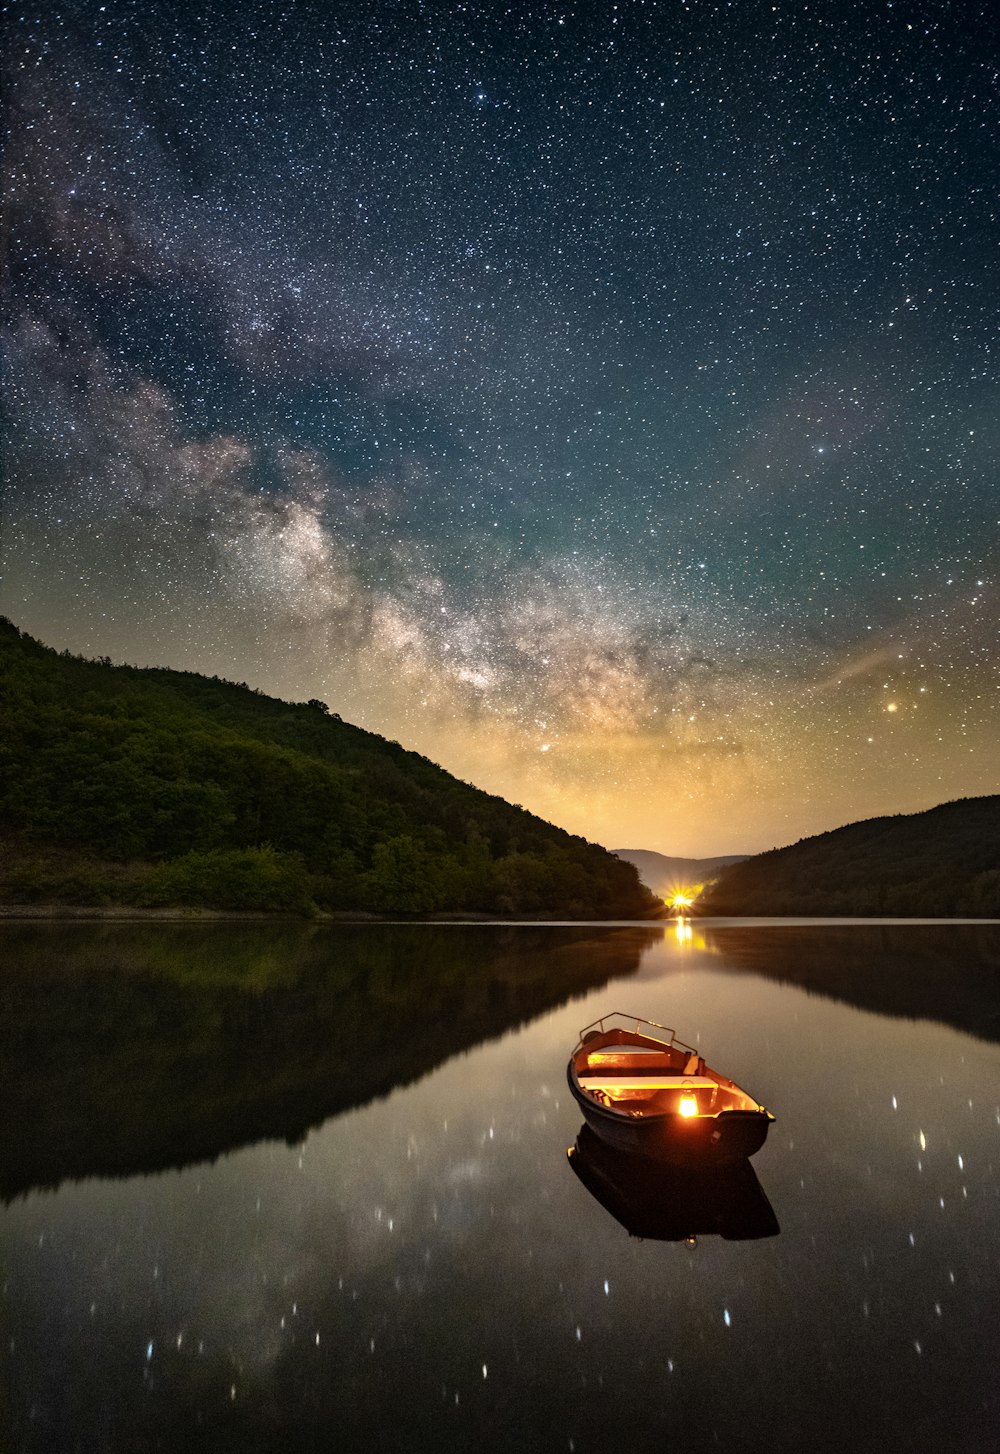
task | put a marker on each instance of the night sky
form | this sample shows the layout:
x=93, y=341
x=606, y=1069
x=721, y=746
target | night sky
x=600, y=400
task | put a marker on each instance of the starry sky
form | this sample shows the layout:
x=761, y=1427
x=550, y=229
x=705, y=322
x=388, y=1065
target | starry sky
x=601, y=400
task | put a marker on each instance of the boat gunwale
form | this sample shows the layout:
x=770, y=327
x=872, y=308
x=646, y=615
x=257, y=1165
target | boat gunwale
x=589, y=1103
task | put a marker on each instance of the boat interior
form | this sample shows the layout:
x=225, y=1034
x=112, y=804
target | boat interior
x=640, y=1076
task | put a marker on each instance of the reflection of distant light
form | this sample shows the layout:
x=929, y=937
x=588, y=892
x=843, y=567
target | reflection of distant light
x=923, y=1142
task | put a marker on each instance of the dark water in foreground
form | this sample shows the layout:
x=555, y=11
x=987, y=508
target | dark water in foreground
x=290, y=1188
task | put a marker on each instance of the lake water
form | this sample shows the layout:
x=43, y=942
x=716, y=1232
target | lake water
x=283, y=1188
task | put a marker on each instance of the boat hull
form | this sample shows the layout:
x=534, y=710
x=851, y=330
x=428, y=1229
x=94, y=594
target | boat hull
x=704, y=1141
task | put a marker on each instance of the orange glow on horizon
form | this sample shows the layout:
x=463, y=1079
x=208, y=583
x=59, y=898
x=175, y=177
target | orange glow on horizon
x=683, y=898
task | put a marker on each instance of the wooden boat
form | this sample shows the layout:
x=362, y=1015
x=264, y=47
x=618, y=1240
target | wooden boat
x=644, y=1091
x=666, y=1203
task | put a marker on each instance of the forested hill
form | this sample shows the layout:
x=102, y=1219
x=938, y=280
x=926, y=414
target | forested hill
x=942, y=862
x=157, y=788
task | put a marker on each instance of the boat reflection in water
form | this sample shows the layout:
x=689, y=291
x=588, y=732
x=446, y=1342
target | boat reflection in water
x=655, y=1200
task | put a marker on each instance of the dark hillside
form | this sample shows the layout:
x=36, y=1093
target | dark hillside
x=154, y=787
x=945, y=861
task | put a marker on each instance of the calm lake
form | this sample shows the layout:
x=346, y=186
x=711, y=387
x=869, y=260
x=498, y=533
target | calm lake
x=271, y=1187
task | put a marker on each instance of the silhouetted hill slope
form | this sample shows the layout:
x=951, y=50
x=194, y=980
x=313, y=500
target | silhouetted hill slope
x=665, y=875
x=945, y=861
x=155, y=787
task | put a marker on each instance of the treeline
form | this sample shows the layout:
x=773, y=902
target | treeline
x=942, y=863
x=121, y=785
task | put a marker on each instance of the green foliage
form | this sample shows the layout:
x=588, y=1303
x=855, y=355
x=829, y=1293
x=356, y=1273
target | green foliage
x=244, y=878
x=167, y=788
x=404, y=878
x=942, y=863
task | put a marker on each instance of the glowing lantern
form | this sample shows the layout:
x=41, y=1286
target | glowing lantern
x=688, y=1106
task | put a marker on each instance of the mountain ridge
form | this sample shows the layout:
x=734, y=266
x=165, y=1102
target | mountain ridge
x=665, y=874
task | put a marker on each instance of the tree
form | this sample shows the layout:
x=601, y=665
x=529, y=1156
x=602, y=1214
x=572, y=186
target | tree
x=401, y=877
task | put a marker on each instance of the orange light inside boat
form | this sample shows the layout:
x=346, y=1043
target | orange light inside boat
x=688, y=1106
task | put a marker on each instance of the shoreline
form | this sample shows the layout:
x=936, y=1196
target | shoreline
x=125, y=914
x=111, y=913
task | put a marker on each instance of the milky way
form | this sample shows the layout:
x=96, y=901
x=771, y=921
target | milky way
x=602, y=401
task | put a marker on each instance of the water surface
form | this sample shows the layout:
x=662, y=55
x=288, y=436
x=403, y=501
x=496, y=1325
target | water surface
x=293, y=1188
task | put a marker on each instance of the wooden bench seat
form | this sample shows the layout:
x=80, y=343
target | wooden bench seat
x=643, y=1063
x=650, y=1082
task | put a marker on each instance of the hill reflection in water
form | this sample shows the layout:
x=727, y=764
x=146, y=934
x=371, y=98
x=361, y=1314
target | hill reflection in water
x=133, y=1048
x=944, y=972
